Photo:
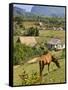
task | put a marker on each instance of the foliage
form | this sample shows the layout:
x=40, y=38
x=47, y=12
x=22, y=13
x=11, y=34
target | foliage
x=18, y=19
x=18, y=54
x=23, y=53
x=17, y=32
x=63, y=54
x=48, y=23
x=32, y=32
x=18, y=26
x=55, y=75
x=28, y=80
x=24, y=77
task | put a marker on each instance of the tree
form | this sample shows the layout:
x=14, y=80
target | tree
x=32, y=32
x=18, y=19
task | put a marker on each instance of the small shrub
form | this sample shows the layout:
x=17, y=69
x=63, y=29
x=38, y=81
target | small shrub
x=31, y=32
x=63, y=53
x=29, y=80
x=24, y=77
x=22, y=53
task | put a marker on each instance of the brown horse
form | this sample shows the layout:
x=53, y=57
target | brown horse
x=46, y=59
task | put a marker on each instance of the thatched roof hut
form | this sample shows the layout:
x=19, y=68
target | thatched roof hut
x=29, y=41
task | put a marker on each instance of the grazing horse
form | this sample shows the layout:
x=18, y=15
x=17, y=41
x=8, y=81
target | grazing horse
x=46, y=59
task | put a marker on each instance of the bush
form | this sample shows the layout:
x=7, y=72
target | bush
x=31, y=32
x=23, y=53
x=18, y=19
x=29, y=80
x=63, y=54
x=18, y=29
x=18, y=54
x=24, y=77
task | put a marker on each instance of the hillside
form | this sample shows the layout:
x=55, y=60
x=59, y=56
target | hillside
x=40, y=10
x=48, y=11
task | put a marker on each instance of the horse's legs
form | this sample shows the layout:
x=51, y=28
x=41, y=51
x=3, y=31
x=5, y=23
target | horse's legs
x=41, y=65
x=48, y=72
x=48, y=66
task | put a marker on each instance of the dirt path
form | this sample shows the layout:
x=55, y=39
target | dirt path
x=15, y=67
x=33, y=60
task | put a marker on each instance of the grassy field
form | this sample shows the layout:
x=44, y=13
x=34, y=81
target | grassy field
x=56, y=75
x=53, y=34
x=46, y=35
x=28, y=24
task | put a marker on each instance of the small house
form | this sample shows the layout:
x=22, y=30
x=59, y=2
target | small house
x=55, y=44
x=29, y=41
x=41, y=24
x=60, y=28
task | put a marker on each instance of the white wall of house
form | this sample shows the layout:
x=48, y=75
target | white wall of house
x=56, y=46
x=59, y=46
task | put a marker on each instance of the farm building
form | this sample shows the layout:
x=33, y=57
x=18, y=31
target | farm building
x=60, y=28
x=55, y=44
x=40, y=23
x=29, y=41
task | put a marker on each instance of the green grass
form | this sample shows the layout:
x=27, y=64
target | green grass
x=56, y=75
x=53, y=34
x=46, y=36
x=47, y=33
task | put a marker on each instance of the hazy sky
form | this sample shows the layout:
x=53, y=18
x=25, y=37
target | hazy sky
x=26, y=7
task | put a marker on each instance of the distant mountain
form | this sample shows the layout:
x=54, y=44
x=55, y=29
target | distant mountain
x=18, y=11
x=48, y=11
x=40, y=10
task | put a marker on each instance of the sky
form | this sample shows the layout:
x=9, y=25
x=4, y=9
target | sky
x=26, y=7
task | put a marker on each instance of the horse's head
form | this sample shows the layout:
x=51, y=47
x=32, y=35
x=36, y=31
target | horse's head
x=55, y=60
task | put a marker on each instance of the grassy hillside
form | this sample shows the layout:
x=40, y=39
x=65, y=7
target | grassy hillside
x=55, y=75
x=28, y=74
